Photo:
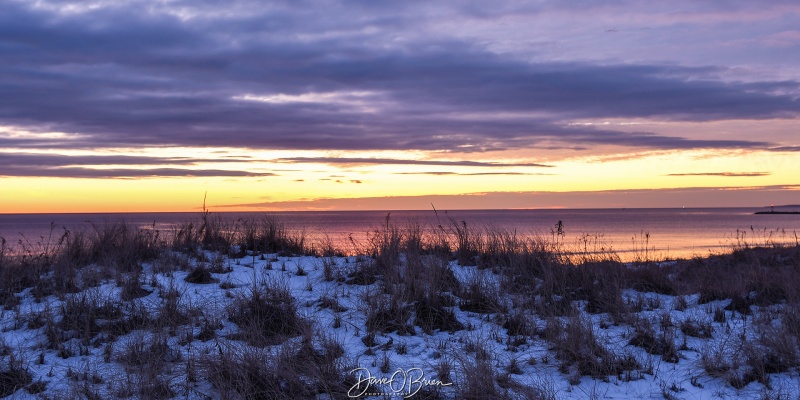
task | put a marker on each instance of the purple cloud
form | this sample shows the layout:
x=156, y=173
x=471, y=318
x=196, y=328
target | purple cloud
x=291, y=76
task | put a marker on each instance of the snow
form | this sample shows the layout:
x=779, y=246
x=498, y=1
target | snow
x=538, y=367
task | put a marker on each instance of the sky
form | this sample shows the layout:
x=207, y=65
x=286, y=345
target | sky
x=120, y=106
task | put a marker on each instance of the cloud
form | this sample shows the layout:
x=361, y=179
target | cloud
x=79, y=172
x=60, y=160
x=108, y=166
x=725, y=174
x=787, y=149
x=447, y=173
x=289, y=76
x=700, y=197
x=393, y=161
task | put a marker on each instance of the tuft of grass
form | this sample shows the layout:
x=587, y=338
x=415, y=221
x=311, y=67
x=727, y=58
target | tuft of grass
x=412, y=284
x=479, y=382
x=269, y=235
x=293, y=371
x=266, y=316
x=695, y=328
x=86, y=314
x=200, y=275
x=388, y=314
x=152, y=351
x=481, y=296
x=432, y=314
x=662, y=344
x=132, y=287
x=518, y=324
x=13, y=377
x=577, y=347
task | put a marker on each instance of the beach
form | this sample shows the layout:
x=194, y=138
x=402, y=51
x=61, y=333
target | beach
x=466, y=313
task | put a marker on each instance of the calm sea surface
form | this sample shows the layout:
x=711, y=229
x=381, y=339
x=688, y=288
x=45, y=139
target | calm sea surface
x=670, y=233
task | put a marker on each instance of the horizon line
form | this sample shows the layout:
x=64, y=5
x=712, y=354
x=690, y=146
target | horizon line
x=398, y=210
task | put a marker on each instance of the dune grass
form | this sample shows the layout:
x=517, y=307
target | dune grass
x=413, y=280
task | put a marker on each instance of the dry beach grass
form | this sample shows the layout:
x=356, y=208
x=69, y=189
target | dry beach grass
x=250, y=310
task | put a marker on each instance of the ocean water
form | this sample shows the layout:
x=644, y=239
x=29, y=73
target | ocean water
x=663, y=233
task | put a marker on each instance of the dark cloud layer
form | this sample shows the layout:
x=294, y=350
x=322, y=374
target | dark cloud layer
x=71, y=166
x=61, y=160
x=393, y=161
x=283, y=76
x=80, y=172
x=786, y=149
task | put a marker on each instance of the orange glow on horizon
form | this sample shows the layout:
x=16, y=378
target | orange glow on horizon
x=319, y=185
